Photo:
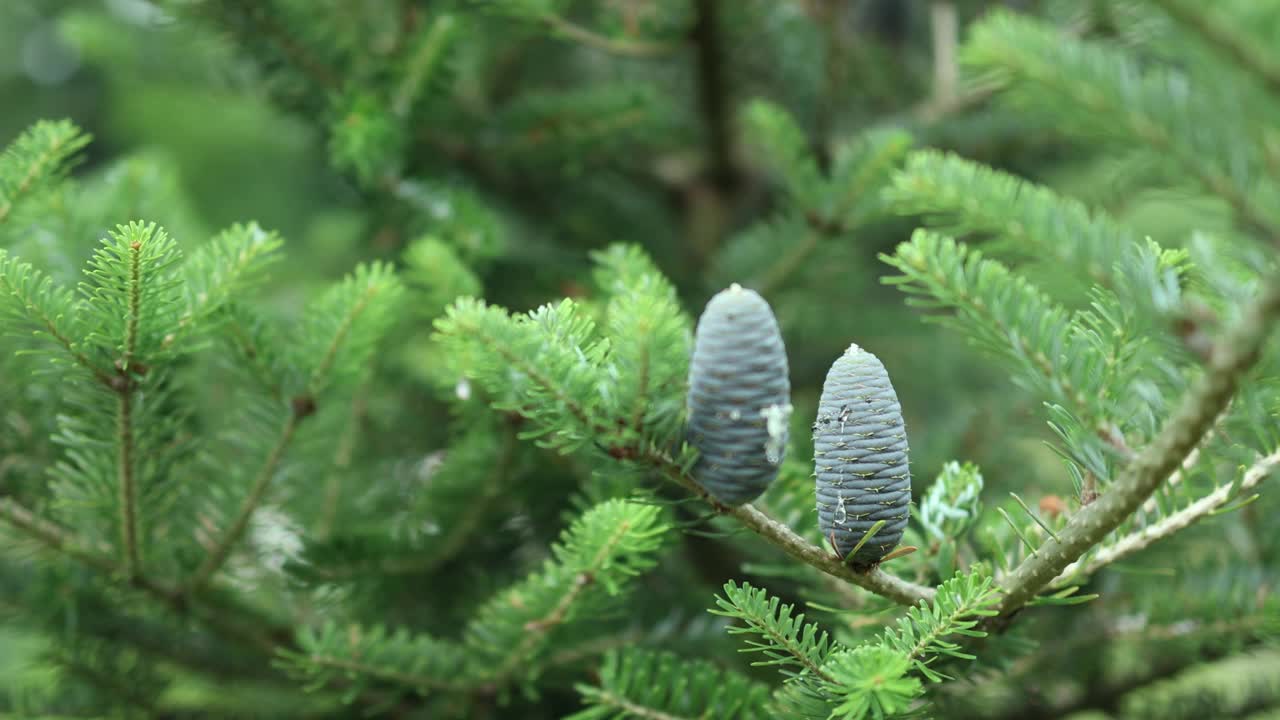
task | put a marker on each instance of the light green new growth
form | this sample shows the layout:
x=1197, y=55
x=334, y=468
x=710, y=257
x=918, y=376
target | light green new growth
x=952, y=503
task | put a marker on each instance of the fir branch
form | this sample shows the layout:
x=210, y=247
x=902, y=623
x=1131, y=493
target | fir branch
x=874, y=679
x=45, y=304
x=454, y=500
x=351, y=316
x=615, y=46
x=252, y=351
x=1078, y=362
x=875, y=580
x=1232, y=356
x=536, y=629
x=959, y=603
x=596, y=559
x=1003, y=311
x=787, y=640
x=52, y=535
x=80, y=665
x=1234, y=43
x=649, y=339
x=426, y=58
x=341, y=462
x=224, y=269
x=547, y=361
x=862, y=168
x=1233, y=687
x=630, y=709
x=1198, y=510
x=962, y=197
x=35, y=156
x=831, y=206
x=869, y=681
x=542, y=365
x=595, y=647
x=221, y=549
x=348, y=665
x=575, y=409
x=1112, y=96
x=254, y=20
x=469, y=520
x=347, y=315
x=351, y=655
x=134, y=292
x=933, y=110
x=796, y=255
x=59, y=539
x=636, y=683
x=783, y=149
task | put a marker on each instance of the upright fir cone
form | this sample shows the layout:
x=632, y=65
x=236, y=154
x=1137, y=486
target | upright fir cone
x=739, y=396
x=860, y=454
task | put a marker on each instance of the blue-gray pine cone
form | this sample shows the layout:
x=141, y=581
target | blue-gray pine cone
x=739, y=396
x=860, y=457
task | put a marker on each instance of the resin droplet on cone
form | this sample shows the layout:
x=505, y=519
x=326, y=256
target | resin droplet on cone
x=860, y=458
x=739, y=396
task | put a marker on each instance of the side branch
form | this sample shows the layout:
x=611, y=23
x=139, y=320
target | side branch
x=302, y=407
x=616, y=46
x=355, y=667
x=51, y=535
x=455, y=538
x=1248, y=54
x=631, y=709
x=1232, y=356
x=876, y=581
x=222, y=548
x=37, y=168
x=1141, y=539
x=242, y=625
x=536, y=630
x=59, y=539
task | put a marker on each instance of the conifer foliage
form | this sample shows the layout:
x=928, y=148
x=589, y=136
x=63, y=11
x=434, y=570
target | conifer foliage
x=489, y=465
